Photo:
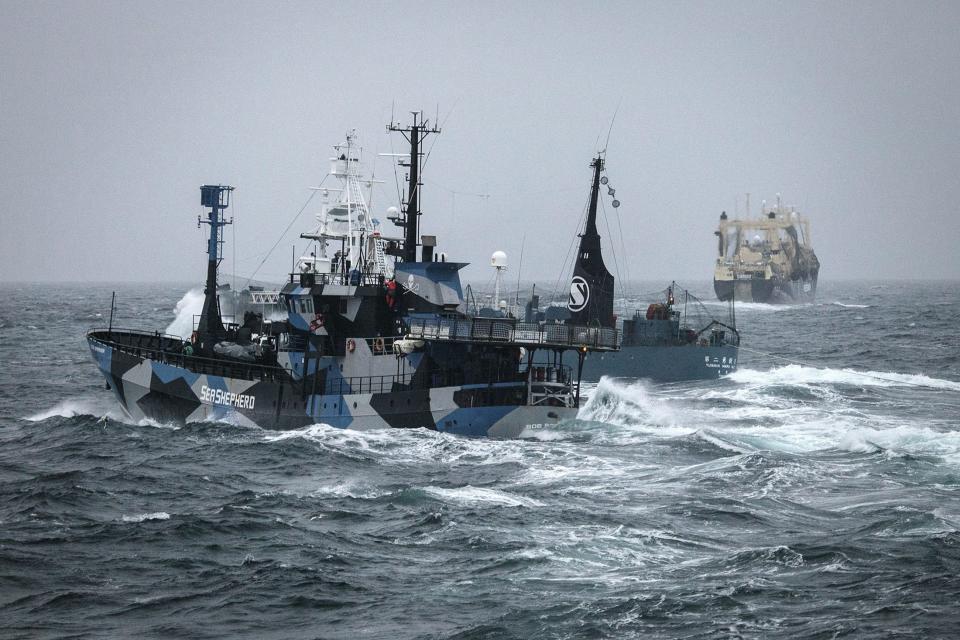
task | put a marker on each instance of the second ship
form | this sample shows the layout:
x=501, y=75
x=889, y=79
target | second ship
x=770, y=259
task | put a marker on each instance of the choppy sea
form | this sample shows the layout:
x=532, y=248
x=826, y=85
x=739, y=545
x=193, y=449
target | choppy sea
x=813, y=500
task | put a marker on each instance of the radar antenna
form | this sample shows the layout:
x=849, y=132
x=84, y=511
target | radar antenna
x=415, y=135
x=217, y=198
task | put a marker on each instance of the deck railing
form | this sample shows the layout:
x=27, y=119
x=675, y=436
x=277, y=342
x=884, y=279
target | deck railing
x=169, y=350
x=506, y=330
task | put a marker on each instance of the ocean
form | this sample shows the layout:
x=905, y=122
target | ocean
x=815, y=493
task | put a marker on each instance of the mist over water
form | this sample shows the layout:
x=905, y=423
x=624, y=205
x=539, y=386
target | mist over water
x=813, y=493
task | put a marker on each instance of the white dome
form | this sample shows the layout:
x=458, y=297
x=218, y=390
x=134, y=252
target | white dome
x=498, y=259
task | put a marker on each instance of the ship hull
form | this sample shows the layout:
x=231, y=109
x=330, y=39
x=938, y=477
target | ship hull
x=663, y=363
x=769, y=291
x=153, y=390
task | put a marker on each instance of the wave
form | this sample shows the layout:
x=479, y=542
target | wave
x=105, y=409
x=850, y=306
x=189, y=306
x=795, y=374
x=755, y=413
x=70, y=408
x=901, y=441
x=469, y=495
x=755, y=306
x=156, y=515
x=404, y=446
x=630, y=404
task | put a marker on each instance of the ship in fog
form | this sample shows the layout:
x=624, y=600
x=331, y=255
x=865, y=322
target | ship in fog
x=768, y=259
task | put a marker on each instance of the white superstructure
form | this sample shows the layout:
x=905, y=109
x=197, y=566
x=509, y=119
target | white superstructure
x=346, y=237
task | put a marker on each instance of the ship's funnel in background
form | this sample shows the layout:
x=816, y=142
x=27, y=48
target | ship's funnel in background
x=591, y=290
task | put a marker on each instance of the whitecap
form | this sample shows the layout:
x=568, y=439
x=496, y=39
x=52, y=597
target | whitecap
x=95, y=408
x=479, y=495
x=156, y=515
x=795, y=374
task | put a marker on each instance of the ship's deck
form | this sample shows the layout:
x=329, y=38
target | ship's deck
x=169, y=350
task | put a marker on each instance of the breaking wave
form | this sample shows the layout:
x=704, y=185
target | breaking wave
x=102, y=408
x=794, y=374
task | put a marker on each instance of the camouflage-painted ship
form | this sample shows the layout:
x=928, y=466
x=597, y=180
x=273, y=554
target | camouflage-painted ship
x=769, y=259
x=363, y=345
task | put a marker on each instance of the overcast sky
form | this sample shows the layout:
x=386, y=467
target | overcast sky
x=112, y=115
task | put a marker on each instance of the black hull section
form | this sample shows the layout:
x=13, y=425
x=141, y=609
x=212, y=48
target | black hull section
x=767, y=291
x=663, y=363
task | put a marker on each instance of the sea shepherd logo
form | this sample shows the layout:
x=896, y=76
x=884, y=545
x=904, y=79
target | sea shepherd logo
x=225, y=398
x=579, y=294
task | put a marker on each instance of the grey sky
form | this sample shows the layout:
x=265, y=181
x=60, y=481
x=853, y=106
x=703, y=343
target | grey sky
x=113, y=114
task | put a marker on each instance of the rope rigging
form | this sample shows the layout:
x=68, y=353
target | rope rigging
x=282, y=235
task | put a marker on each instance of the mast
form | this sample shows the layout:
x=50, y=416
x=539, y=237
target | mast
x=217, y=198
x=591, y=291
x=415, y=134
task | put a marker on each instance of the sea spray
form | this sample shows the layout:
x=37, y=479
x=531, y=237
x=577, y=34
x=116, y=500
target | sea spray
x=189, y=307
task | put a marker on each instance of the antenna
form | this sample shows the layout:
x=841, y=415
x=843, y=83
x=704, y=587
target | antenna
x=415, y=135
x=612, y=120
x=520, y=267
x=113, y=299
x=499, y=262
x=217, y=198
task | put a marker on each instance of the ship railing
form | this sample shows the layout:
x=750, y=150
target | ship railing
x=380, y=346
x=167, y=349
x=354, y=279
x=366, y=384
x=552, y=393
x=503, y=330
x=438, y=378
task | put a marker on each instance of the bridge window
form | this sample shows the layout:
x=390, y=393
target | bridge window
x=306, y=305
